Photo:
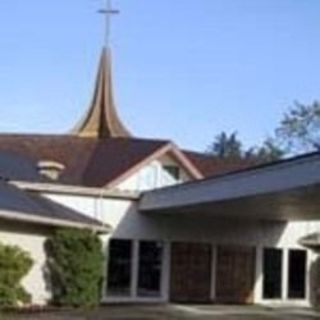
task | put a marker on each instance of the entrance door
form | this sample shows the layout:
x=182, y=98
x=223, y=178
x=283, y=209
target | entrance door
x=235, y=274
x=190, y=272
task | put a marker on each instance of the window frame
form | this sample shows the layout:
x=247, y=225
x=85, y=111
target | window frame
x=127, y=291
x=160, y=265
x=291, y=296
x=280, y=267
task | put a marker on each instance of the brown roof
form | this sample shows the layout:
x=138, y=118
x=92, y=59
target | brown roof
x=88, y=162
x=99, y=150
x=210, y=165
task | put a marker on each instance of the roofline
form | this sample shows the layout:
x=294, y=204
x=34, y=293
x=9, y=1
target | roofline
x=271, y=165
x=76, y=190
x=288, y=174
x=168, y=147
x=35, y=219
x=191, y=168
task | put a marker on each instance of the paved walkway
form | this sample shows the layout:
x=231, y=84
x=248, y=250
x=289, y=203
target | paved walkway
x=176, y=312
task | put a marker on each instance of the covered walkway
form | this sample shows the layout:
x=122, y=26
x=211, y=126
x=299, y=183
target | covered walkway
x=283, y=191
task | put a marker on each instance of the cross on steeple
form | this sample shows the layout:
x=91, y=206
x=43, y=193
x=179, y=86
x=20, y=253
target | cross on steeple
x=108, y=12
x=101, y=120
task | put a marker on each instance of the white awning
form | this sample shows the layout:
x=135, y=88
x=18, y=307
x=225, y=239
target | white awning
x=285, y=190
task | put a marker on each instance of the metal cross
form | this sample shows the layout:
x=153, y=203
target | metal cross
x=108, y=12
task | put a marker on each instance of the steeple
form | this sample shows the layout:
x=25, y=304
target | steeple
x=101, y=119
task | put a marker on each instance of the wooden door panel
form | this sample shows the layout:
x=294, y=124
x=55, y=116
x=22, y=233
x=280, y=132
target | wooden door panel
x=190, y=272
x=235, y=274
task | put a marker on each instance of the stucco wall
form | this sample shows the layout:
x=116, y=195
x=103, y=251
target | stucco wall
x=127, y=223
x=31, y=239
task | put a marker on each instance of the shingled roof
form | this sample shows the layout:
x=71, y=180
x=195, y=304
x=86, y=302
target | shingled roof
x=88, y=162
x=210, y=166
x=28, y=207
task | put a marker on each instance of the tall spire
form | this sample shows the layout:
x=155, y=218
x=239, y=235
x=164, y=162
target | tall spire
x=102, y=120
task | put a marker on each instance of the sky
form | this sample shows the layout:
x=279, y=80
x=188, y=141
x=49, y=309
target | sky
x=183, y=70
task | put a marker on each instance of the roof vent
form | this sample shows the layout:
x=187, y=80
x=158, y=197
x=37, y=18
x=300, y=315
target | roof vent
x=50, y=169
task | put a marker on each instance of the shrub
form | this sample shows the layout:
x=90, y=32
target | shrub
x=14, y=265
x=75, y=263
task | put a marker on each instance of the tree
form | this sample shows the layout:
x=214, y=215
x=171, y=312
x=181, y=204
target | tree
x=226, y=146
x=299, y=130
x=75, y=261
x=269, y=151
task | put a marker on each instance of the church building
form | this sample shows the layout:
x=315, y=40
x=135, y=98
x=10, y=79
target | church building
x=177, y=226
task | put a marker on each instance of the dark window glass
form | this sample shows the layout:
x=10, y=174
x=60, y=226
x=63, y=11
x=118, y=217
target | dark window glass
x=150, y=263
x=119, y=267
x=272, y=272
x=297, y=274
x=174, y=171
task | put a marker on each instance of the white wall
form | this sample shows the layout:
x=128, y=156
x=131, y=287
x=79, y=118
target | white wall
x=153, y=176
x=127, y=223
x=30, y=239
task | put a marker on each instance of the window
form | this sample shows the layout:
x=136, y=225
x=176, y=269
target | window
x=297, y=274
x=173, y=171
x=272, y=271
x=150, y=265
x=119, y=267
x=147, y=178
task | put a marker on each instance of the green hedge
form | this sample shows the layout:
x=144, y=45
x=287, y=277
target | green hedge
x=14, y=265
x=75, y=262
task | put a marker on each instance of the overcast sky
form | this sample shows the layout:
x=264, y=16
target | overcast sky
x=183, y=69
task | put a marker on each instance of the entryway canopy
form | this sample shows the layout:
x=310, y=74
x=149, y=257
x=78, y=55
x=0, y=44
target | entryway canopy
x=284, y=190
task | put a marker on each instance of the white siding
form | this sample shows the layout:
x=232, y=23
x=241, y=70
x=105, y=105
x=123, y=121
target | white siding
x=153, y=176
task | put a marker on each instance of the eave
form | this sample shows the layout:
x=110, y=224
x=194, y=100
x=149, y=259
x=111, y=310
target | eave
x=286, y=190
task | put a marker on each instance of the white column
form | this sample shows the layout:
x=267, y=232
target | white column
x=285, y=269
x=105, y=245
x=258, y=286
x=165, y=274
x=310, y=258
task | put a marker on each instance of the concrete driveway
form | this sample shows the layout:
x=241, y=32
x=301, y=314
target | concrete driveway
x=176, y=312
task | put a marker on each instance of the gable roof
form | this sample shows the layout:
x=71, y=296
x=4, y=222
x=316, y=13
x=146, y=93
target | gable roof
x=99, y=152
x=170, y=149
x=88, y=162
x=27, y=207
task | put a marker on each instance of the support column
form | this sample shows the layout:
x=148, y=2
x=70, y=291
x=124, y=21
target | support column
x=213, y=272
x=285, y=268
x=134, y=269
x=258, y=286
x=165, y=274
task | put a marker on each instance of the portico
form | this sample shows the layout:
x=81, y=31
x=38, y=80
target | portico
x=264, y=213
